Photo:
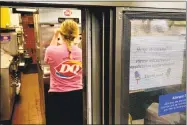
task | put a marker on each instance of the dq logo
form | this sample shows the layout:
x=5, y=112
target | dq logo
x=67, y=12
x=68, y=69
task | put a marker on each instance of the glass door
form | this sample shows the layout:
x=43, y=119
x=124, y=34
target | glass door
x=150, y=85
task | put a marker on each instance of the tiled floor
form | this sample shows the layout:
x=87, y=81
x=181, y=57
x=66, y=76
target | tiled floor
x=27, y=109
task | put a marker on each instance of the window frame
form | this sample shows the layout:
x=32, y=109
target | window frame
x=122, y=51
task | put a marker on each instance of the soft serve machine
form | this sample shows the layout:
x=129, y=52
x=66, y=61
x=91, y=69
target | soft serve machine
x=14, y=60
x=10, y=76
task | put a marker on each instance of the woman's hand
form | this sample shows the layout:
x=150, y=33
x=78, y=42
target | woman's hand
x=56, y=32
x=55, y=37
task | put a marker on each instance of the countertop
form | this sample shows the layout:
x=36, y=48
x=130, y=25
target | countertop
x=6, y=60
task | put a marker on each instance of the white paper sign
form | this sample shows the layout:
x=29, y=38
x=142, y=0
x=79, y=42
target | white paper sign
x=156, y=61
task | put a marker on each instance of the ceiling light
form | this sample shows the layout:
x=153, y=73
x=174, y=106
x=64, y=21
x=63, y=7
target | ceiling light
x=26, y=10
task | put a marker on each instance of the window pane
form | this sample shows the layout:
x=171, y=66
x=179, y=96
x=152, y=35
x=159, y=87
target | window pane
x=157, y=72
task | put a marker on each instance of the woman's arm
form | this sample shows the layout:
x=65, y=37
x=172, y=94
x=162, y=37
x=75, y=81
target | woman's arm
x=55, y=38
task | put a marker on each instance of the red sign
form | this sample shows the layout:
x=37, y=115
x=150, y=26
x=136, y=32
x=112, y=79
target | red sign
x=5, y=38
x=67, y=12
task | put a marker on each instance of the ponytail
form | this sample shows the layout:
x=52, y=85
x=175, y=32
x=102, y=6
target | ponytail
x=69, y=47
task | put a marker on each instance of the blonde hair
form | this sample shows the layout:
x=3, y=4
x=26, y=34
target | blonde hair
x=69, y=30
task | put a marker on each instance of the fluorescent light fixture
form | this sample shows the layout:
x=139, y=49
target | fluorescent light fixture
x=26, y=9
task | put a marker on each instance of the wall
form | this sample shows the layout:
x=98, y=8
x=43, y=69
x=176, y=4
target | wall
x=29, y=35
x=7, y=17
x=50, y=15
x=14, y=18
x=181, y=5
x=143, y=3
x=4, y=17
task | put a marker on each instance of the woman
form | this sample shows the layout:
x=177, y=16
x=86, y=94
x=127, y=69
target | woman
x=65, y=93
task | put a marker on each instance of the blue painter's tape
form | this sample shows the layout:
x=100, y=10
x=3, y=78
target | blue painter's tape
x=171, y=103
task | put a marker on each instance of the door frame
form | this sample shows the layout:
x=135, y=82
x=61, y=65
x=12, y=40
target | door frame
x=98, y=34
x=86, y=45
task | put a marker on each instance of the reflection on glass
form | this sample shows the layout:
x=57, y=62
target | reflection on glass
x=157, y=72
x=46, y=34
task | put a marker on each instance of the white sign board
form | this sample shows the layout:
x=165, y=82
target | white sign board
x=52, y=15
x=156, y=61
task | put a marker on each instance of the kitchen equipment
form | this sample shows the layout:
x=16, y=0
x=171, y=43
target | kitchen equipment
x=9, y=43
x=9, y=74
x=7, y=89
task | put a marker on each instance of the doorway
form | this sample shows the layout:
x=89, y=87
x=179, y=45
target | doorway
x=97, y=44
x=96, y=26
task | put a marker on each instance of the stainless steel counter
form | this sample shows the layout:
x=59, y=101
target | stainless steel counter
x=44, y=82
x=8, y=92
x=45, y=69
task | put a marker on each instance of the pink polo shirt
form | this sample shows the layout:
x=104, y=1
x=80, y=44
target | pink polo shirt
x=66, y=74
